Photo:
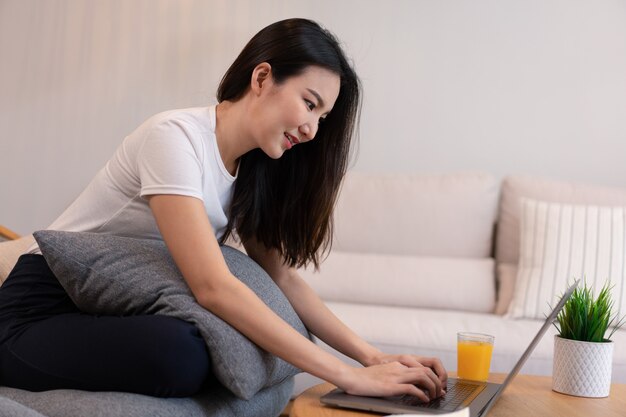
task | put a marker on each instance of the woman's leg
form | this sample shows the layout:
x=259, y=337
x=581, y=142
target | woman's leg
x=48, y=344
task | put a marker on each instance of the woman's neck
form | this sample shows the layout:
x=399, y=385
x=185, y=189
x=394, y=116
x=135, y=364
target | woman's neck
x=231, y=132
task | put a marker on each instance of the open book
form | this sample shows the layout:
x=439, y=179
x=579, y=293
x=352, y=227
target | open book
x=463, y=412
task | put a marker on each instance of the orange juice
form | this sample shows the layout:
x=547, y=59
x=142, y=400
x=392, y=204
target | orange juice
x=474, y=359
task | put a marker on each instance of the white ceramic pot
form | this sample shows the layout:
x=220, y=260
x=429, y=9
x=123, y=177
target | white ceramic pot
x=582, y=369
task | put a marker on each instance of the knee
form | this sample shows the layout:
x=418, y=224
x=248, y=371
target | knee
x=181, y=364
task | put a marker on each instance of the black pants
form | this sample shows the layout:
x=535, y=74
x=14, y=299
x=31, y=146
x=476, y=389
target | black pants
x=47, y=343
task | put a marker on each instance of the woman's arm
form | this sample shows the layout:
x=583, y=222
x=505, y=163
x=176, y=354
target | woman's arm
x=189, y=237
x=322, y=322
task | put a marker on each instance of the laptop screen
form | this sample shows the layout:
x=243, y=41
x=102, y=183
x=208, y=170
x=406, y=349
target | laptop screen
x=549, y=320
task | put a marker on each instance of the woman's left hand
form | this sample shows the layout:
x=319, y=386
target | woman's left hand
x=415, y=361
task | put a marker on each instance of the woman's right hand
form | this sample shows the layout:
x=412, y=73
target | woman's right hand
x=393, y=378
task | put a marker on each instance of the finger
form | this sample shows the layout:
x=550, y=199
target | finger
x=423, y=376
x=437, y=366
x=434, y=388
x=410, y=361
x=413, y=390
x=423, y=383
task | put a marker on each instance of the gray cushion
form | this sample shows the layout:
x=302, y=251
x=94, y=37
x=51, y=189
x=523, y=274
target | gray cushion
x=114, y=275
x=211, y=402
x=10, y=408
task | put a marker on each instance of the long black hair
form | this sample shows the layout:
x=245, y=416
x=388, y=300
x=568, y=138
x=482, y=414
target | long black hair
x=287, y=203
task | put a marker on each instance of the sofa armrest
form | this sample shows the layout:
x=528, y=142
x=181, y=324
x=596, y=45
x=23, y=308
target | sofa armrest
x=8, y=234
x=11, y=250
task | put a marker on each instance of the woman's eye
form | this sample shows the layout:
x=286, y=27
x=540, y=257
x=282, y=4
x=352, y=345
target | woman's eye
x=310, y=104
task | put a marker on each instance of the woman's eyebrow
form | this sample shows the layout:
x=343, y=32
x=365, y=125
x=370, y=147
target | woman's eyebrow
x=320, y=102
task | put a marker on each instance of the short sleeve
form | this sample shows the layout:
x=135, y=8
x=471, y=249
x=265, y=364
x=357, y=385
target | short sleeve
x=169, y=161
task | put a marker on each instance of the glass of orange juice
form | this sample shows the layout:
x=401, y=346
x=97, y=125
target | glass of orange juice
x=474, y=355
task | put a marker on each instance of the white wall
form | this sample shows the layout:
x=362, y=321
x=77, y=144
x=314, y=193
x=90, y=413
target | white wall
x=518, y=86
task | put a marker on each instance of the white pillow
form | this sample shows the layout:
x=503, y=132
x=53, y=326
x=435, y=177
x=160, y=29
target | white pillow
x=516, y=187
x=562, y=242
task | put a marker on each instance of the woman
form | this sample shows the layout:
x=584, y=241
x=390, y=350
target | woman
x=266, y=163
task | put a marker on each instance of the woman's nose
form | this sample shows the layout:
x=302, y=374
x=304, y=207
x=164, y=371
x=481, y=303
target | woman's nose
x=308, y=130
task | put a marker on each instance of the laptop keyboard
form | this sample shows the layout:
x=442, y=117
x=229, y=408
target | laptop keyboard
x=457, y=392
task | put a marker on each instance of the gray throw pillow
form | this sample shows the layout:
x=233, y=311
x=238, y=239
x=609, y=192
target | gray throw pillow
x=10, y=408
x=113, y=275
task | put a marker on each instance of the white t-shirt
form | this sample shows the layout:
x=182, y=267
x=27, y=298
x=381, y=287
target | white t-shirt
x=174, y=152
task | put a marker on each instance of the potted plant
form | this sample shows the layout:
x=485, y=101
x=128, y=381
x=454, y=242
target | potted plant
x=583, y=353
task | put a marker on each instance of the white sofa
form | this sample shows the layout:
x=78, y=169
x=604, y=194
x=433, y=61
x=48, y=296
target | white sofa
x=418, y=258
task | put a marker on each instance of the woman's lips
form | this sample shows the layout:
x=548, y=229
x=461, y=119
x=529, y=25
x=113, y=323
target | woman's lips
x=294, y=140
x=288, y=143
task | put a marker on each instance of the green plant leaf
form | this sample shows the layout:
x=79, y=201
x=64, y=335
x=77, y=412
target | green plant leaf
x=588, y=319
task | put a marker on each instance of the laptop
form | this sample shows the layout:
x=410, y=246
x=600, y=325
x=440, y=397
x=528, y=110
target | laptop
x=478, y=396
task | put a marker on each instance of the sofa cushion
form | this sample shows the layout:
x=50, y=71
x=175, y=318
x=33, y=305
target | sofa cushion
x=506, y=287
x=410, y=281
x=10, y=251
x=514, y=188
x=563, y=242
x=210, y=402
x=105, y=274
x=440, y=215
x=433, y=332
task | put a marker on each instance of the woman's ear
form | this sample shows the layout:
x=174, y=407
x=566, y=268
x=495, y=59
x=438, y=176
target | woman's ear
x=261, y=75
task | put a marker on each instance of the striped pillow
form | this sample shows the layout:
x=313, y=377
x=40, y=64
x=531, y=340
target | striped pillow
x=562, y=242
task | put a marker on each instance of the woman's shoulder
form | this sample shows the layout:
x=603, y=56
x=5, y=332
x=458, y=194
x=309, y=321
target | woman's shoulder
x=193, y=124
x=199, y=117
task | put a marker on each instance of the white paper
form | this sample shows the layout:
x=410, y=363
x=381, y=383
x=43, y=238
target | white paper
x=463, y=412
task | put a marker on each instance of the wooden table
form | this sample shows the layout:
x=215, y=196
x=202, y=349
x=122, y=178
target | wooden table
x=527, y=395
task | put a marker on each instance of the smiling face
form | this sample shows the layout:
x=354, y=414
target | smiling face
x=288, y=113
